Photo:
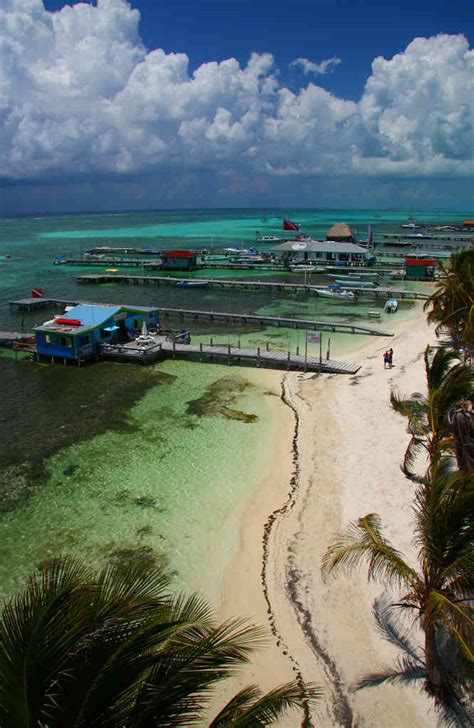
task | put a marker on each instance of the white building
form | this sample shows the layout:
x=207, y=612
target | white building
x=319, y=251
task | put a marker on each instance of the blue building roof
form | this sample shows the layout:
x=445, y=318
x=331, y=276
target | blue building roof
x=90, y=315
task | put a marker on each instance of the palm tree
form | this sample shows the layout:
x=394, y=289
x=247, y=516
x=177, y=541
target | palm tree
x=84, y=650
x=438, y=591
x=451, y=306
x=448, y=383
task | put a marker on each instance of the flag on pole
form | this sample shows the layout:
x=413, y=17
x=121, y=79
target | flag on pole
x=37, y=293
x=290, y=225
x=369, y=237
x=313, y=337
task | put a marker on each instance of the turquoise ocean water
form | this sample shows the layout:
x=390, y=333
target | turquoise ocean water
x=112, y=460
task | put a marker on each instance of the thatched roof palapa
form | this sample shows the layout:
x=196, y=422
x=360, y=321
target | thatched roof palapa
x=340, y=232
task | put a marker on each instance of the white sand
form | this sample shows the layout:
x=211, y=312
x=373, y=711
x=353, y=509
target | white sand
x=350, y=444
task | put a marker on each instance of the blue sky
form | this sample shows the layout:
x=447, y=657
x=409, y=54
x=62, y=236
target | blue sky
x=97, y=117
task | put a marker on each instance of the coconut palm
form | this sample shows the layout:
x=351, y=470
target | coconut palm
x=439, y=589
x=81, y=649
x=448, y=383
x=451, y=306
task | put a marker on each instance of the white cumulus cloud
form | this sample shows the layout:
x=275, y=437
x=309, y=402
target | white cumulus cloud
x=318, y=69
x=80, y=95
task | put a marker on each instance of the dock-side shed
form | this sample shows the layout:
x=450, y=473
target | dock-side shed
x=78, y=333
x=420, y=269
x=179, y=260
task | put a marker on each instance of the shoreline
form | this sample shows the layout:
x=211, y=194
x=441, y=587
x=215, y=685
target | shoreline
x=324, y=632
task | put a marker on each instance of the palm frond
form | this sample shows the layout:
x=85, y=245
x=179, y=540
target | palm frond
x=363, y=541
x=235, y=707
x=457, y=619
x=267, y=709
x=193, y=662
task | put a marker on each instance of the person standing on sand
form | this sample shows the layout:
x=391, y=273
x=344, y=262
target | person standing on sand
x=390, y=358
x=385, y=359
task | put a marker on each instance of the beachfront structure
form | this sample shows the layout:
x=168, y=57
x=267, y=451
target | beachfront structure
x=319, y=251
x=78, y=334
x=340, y=233
x=420, y=269
x=179, y=260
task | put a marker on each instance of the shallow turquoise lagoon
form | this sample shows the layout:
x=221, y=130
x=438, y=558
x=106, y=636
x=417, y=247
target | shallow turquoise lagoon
x=170, y=485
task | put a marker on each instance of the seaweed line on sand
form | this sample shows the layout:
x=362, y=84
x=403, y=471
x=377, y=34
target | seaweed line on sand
x=341, y=708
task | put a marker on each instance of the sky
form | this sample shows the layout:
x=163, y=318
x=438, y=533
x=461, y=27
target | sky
x=149, y=104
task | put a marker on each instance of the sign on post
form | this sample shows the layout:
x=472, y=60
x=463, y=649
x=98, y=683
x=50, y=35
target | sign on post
x=313, y=337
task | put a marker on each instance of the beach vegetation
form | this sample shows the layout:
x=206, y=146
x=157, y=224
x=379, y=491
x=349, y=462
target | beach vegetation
x=80, y=648
x=449, y=382
x=451, y=305
x=438, y=590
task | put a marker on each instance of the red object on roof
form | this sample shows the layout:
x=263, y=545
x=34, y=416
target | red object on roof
x=420, y=261
x=68, y=322
x=178, y=254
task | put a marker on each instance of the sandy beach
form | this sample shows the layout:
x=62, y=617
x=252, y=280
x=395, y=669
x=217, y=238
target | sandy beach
x=338, y=459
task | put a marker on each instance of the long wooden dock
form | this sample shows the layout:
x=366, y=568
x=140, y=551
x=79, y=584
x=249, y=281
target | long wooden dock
x=229, y=355
x=377, y=292
x=31, y=304
x=277, y=321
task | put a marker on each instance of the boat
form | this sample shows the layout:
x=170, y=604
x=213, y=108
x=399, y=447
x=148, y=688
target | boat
x=192, y=284
x=391, y=305
x=334, y=293
x=302, y=268
x=269, y=239
x=111, y=270
x=250, y=258
x=350, y=283
x=355, y=275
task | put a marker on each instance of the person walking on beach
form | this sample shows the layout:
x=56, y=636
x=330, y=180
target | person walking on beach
x=385, y=359
x=390, y=358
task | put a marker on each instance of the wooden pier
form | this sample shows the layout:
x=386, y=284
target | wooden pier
x=249, y=285
x=227, y=354
x=242, y=319
x=159, y=348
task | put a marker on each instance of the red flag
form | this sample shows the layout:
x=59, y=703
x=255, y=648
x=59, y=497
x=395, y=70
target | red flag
x=37, y=293
x=289, y=225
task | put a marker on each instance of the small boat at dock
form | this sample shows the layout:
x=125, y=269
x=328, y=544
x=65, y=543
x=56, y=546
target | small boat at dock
x=302, y=268
x=334, y=294
x=192, y=284
x=357, y=274
x=352, y=283
x=270, y=239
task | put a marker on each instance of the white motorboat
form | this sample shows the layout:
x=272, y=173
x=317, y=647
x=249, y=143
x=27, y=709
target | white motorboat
x=302, y=268
x=339, y=295
x=270, y=239
x=352, y=283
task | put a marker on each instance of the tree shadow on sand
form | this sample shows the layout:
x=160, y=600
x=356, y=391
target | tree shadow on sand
x=409, y=668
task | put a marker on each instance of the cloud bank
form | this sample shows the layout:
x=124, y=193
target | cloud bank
x=80, y=95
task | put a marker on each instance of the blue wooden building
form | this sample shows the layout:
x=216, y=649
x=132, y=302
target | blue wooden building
x=78, y=334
